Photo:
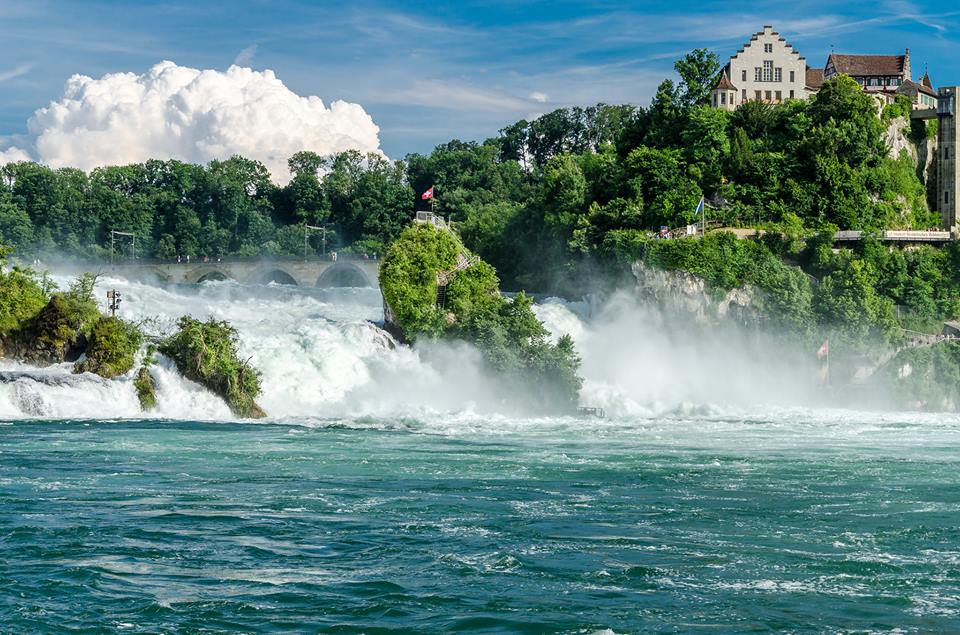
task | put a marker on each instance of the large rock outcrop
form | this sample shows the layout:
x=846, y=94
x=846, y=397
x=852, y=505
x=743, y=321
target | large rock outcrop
x=684, y=294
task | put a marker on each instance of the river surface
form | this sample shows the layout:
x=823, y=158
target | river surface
x=389, y=491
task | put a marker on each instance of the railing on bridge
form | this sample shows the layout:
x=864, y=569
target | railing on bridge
x=896, y=236
x=329, y=257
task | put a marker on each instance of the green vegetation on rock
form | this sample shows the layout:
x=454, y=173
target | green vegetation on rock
x=206, y=352
x=514, y=343
x=58, y=331
x=146, y=389
x=111, y=348
x=21, y=296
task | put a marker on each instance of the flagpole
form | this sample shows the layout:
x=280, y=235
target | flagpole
x=703, y=216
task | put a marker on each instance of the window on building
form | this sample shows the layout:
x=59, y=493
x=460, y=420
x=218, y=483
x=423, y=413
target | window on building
x=744, y=95
x=768, y=71
x=791, y=94
x=874, y=81
x=778, y=74
x=779, y=96
x=715, y=104
x=758, y=74
x=946, y=198
x=793, y=76
x=756, y=95
x=768, y=48
x=743, y=75
x=768, y=96
x=723, y=99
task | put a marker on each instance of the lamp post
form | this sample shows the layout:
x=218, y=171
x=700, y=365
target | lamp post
x=114, y=233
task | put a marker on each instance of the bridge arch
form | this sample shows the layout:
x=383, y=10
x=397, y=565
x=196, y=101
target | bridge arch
x=213, y=276
x=206, y=274
x=344, y=274
x=275, y=274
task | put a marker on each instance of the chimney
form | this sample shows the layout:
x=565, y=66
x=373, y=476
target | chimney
x=906, y=65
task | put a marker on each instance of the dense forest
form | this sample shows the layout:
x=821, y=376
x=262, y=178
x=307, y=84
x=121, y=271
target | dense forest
x=575, y=191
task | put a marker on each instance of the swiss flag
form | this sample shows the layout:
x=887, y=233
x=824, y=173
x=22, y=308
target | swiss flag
x=427, y=195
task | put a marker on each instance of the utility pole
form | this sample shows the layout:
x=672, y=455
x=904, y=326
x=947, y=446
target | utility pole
x=113, y=234
x=113, y=297
x=306, y=229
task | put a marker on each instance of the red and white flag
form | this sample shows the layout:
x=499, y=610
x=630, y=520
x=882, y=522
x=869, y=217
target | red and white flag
x=824, y=351
x=427, y=195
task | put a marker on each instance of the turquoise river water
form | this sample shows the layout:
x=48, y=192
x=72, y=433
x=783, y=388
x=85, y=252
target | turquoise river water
x=366, y=503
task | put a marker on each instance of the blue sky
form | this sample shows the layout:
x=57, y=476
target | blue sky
x=431, y=71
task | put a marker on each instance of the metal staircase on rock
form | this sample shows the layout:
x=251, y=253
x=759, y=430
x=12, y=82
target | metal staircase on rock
x=445, y=277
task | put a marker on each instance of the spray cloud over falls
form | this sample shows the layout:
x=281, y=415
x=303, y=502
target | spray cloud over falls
x=176, y=112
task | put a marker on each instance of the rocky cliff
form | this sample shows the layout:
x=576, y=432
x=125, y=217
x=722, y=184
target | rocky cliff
x=684, y=294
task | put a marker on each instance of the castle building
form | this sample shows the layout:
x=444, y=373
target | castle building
x=770, y=70
x=767, y=69
x=921, y=93
x=875, y=73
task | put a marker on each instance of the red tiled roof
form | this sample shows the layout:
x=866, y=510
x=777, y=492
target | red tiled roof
x=814, y=79
x=868, y=65
x=925, y=80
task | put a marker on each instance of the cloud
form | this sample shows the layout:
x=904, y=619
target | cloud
x=19, y=71
x=441, y=94
x=540, y=98
x=245, y=57
x=12, y=155
x=175, y=112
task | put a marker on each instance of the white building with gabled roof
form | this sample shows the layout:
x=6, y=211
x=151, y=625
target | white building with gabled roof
x=766, y=69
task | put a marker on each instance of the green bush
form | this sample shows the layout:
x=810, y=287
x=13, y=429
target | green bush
x=58, y=332
x=408, y=278
x=144, y=384
x=206, y=352
x=111, y=348
x=515, y=345
x=21, y=298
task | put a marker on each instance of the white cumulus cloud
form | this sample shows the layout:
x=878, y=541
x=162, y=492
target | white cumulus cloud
x=175, y=112
x=12, y=155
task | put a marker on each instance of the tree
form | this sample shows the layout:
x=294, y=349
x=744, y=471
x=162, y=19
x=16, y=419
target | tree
x=562, y=195
x=698, y=72
x=306, y=162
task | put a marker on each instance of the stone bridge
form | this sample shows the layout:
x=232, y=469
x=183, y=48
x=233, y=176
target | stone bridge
x=302, y=273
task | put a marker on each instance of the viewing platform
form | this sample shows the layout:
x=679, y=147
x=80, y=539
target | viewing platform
x=429, y=218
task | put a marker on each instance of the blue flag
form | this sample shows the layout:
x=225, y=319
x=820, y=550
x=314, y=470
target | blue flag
x=700, y=206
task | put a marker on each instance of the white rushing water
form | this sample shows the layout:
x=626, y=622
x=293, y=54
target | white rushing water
x=323, y=358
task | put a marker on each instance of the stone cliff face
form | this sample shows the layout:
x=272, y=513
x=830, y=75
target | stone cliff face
x=897, y=140
x=686, y=295
x=924, y=155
